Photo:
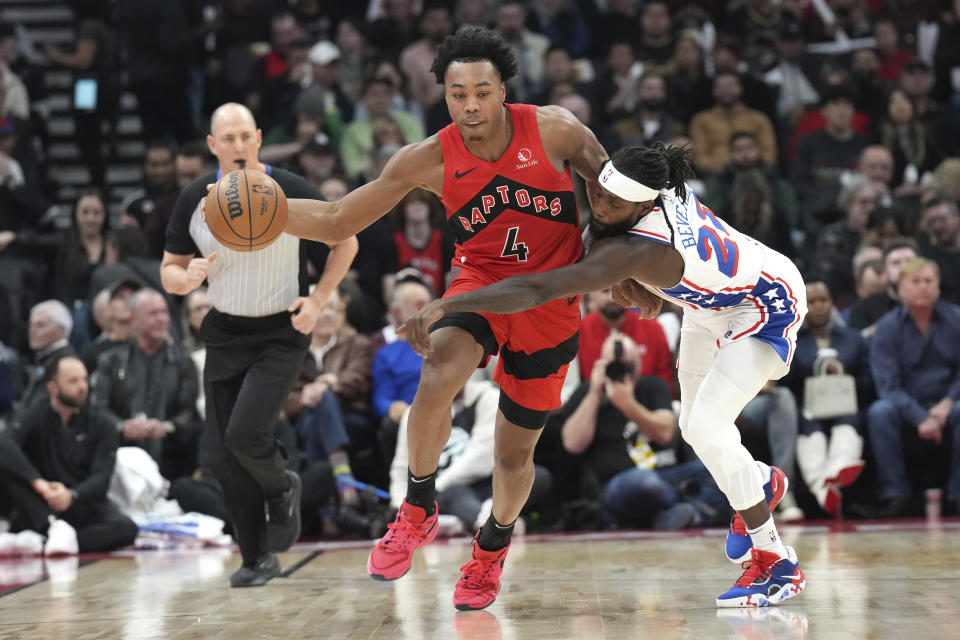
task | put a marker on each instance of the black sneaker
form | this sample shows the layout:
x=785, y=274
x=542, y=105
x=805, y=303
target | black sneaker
x=283, y=516
x=898, y=508
x=265, y=569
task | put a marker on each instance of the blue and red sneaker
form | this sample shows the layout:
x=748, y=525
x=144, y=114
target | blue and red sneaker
x=768, y=580
x=738, y=543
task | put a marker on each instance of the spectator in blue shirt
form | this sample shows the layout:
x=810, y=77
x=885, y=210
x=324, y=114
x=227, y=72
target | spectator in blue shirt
x=396, y=366
x=915, y=359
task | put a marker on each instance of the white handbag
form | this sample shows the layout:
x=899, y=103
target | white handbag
x=829, y=395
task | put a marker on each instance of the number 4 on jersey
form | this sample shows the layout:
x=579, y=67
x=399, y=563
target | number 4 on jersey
x=513, y=248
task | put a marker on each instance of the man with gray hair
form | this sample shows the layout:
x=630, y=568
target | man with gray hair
x=148, y=388
x=915, y=361
x=48, y=334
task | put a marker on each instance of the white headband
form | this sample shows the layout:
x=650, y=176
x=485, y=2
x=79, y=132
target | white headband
x=624, y=187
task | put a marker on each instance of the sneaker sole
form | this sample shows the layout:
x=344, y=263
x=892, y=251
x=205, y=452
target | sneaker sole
x=382, y=578
x=467, y=607
x=759, y=600
x=773, y=505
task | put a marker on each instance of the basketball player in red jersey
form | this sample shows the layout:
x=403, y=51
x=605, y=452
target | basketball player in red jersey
x=503, y=174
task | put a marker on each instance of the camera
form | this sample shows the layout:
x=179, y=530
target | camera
x=617, y=369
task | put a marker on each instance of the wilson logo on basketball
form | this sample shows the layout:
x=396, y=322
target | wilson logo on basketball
x=232, y=192
x=525, y=156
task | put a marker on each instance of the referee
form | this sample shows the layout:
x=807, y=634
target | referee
x=256, y=335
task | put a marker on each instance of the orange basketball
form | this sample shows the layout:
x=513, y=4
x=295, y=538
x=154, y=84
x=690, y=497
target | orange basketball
x=247, y=212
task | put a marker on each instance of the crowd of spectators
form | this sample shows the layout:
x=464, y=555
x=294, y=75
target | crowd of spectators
x=827, y=130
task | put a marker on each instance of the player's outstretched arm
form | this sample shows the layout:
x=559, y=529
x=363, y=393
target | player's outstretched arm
x=415, y=165
x=608, y=262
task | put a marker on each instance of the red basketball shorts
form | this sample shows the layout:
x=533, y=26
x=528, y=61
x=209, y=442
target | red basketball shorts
x=535, y=347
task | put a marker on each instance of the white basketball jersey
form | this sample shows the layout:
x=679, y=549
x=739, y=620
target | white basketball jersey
x=727, y=271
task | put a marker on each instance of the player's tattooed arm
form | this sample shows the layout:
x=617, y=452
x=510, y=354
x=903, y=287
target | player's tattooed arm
x=608, y=262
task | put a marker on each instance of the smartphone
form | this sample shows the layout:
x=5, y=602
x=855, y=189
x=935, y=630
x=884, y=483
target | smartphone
x=85, y=94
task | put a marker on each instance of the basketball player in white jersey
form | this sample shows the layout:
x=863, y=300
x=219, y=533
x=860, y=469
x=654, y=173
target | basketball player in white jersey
x=743, y=304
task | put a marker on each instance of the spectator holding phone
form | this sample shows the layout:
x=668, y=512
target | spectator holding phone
x=620, y=431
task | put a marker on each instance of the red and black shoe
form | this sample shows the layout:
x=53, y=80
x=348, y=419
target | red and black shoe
x=480, y=580
x=392, y=556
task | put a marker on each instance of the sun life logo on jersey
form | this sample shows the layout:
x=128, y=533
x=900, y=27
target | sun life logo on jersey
x=525, y=156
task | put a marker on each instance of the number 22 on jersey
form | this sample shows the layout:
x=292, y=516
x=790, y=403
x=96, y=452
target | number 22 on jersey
x=710, y=242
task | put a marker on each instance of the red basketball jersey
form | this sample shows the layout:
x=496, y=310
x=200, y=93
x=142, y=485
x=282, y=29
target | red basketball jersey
x=428, y=261
x=515, y=215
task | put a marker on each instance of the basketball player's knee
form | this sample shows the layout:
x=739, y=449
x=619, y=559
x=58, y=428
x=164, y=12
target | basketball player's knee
x=706, y=426
x=438, y=383
x=694, y=426
x=514, y=461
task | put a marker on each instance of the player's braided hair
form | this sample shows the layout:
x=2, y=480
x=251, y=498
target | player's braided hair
x=657, y=166
x=472, y=44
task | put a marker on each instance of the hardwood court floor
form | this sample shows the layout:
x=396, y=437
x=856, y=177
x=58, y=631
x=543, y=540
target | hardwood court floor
x=864, y=580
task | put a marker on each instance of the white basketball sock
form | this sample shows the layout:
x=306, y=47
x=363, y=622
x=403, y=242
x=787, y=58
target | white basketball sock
x=767, y=538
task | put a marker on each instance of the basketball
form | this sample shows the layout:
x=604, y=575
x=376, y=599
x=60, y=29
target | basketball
x=248, y=210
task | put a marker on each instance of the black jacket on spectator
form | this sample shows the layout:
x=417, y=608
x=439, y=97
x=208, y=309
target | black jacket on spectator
x=122, y=384
x=949, y=264
x=164, y=387
x=10, y=378
x=92, y=352
x=866, y=311
x=81, y=454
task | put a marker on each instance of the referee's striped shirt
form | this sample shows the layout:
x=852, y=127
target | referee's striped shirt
x=252, y=284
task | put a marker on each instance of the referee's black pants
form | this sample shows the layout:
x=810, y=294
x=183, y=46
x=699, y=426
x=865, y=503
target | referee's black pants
x=251, y=366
